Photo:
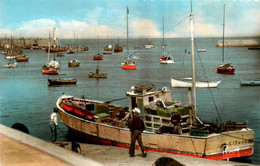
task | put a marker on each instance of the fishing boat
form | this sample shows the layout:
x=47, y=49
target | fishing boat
x=250, y=83
x=98, y=56
x=22, y=58
x=62, y=81
x=108, y=49
x=128, y=64
x=224, y=68
x=74, y=63
x=98, y=122
x=182, y=84
x=97, y=75
x=107, y=124
x=118, y=48
x=49, y=70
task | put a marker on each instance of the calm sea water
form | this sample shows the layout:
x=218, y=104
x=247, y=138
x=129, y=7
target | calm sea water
x=25, y=96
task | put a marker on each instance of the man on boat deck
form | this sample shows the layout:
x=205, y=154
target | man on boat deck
x=136, y=127
x=54, y=124
x=176, y=121
x=97, y=70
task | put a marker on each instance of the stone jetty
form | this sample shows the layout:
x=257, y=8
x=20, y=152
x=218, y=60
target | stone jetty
x=238, y=43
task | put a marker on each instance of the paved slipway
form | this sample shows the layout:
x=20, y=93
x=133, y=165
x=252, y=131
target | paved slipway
x=116, y=156
x=17, y=148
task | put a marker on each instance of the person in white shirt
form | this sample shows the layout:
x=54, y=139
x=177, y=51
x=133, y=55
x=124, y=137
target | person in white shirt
x=54, y=124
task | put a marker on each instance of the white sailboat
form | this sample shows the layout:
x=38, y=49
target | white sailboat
x=11, y=53
x=53, y=63
x=166, y=57
x=184, y=84
x=187, y=83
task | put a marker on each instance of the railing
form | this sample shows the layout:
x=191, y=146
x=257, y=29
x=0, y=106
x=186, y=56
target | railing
x=154, y=122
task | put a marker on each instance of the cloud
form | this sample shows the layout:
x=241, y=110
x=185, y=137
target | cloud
x=35, y=28
x=144, y=28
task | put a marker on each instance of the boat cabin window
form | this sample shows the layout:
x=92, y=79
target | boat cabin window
x=150, y=99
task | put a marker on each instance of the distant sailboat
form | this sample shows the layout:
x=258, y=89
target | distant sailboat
x=225, y=68
x=128, y=64
x=11, y=54
x=49, y=69
x=166, y=58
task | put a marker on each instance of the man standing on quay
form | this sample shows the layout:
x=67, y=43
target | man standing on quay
x=136, y=127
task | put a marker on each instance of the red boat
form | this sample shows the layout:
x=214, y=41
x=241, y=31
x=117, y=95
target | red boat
x=98, y=57
x=225, y=68
x=118, y=48
x=21, y=58
x=49, y=70
x=128, y=65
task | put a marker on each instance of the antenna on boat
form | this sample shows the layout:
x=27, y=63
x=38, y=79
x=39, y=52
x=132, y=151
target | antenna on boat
x=193, y=63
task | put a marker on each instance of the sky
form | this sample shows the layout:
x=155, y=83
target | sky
x=107, y=18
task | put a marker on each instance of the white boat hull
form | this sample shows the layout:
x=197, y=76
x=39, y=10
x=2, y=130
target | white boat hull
x=183, y=84
x=166, y=61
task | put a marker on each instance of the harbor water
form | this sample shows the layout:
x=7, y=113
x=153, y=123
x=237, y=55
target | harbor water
x=26, y=97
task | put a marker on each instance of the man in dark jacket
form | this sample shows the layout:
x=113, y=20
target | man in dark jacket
x=176, y=121
x=136, y=127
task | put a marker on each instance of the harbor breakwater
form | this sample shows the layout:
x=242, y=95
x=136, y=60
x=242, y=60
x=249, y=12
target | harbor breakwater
x=238, y=43
x=28, y=43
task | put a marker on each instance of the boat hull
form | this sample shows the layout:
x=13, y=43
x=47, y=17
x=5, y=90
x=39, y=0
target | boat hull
x=100, y=75
x=183, y=84
x=61, y=81
x=225, y=71
x=22, y=60
x=129, y=67
x=217, y=147
x=49, y=72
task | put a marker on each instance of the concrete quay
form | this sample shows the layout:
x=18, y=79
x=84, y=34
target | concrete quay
x=17, y=148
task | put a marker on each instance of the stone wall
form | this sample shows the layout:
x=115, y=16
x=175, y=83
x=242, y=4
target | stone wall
x=27, y=42
x=238, y=43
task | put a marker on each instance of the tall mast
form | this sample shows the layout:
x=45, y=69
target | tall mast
x=127, y=12
x=163, y=30
x=193, y=63
x=49, y=47
x=223, y=44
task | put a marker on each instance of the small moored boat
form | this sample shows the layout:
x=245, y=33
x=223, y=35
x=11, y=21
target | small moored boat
x=62, y=81
x=22, y=58
x=250, y=83
x=74, y=63
x=99, y=75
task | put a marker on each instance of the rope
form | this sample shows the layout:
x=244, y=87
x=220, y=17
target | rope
x=208, y=81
